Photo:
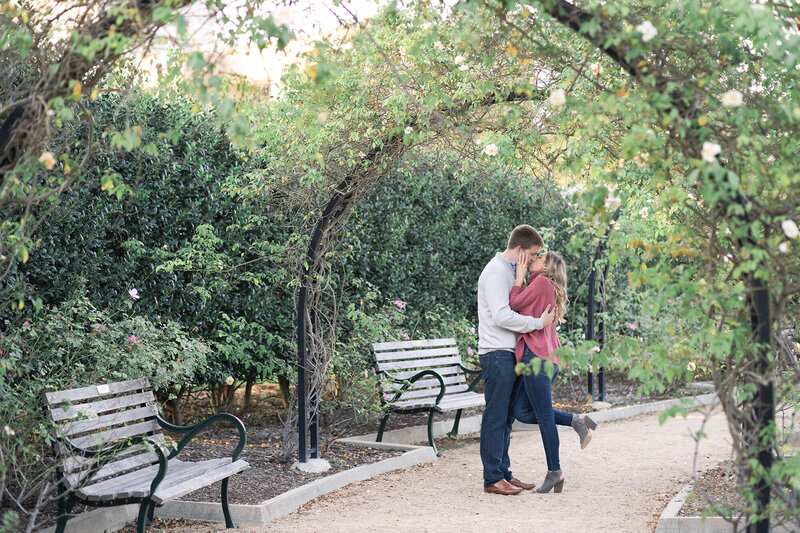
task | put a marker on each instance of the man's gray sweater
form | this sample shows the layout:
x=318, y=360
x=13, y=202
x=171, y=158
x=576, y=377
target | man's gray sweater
x=498, y=325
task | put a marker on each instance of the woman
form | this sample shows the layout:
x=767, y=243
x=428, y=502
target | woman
x=547, y=286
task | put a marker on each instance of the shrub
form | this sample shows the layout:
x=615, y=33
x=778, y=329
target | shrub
x=75, y=345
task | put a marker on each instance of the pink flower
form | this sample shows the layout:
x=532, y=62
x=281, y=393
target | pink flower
x=405, y=336
x=669, y=301
x=470, y=352
x=1, y=352
x=399, y=303
x=132, y=339
x=26, y=323
x=386, y=397
x=134, y=294
x=472, y=330
x=372, y=368
x=632, y=325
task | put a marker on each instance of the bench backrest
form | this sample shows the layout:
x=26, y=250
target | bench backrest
x=95, y=417
x=405, y=358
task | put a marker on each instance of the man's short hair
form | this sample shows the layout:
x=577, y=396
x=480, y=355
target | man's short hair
x=525, y=236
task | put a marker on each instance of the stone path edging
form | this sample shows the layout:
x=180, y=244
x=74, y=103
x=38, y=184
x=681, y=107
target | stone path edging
x=472, y=424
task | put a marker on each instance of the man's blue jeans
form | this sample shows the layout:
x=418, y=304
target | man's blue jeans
x=500, y=386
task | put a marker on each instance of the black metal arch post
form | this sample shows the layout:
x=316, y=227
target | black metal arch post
x=336, y=206
x=590, y=329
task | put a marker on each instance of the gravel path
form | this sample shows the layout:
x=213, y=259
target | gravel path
x=620, y=483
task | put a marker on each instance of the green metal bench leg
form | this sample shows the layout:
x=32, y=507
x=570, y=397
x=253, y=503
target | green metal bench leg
x=141, y=521
x=430, y=432
x=150, y=512
x=382, y=427
x=226, y=510
x=65, y=503
x=453, y=432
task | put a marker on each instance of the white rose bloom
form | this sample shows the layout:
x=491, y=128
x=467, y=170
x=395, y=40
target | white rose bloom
x=409, y=130
x=9, y=431
x=710, y=151
x=48, y=160
x=491, y=149
x=783, y=247
x=727, y=258
x=463, y=68
x=691, y=367
x=616, y=224
x=770, y=159
x=282, y=17
x=647, y=30
x=732, y=98
x=438, y=45
x=229, y=381
x=644, y=212
x=595, y=68
x=459, y=59
x=790, y=228
x=558, y=98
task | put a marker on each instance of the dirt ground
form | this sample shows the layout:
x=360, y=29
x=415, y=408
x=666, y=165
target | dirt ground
x=620, y=483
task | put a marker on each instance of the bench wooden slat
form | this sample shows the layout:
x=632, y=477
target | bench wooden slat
x=177, y=472
x=112, y=468
x=94, y=391
x=111, y=419
x=210, y=476
x=104, y=438
x=442, y=371
x=135, y=484
x=428, y=363
x=400, y=345
x=424, y=393
x=462, y=400
x=58, y=414
x=74, y=462
x=391, y=386
x=416, y=354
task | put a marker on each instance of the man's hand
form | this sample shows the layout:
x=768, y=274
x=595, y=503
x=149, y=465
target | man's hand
x=548, y=316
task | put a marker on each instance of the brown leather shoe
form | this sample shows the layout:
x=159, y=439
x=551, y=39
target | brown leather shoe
x=503, y=487
x=521, y=484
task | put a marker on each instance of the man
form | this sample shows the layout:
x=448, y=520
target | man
x=498, y=326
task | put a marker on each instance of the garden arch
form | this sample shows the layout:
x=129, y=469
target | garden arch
x=677, y=102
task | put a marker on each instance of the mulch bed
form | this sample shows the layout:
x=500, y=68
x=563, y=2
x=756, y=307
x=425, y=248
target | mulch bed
x=268, y=475
x=713, y=492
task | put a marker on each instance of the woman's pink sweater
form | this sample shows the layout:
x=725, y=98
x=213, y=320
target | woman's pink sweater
x=532, y=302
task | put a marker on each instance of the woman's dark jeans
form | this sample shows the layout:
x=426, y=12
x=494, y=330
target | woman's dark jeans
x=534, y=405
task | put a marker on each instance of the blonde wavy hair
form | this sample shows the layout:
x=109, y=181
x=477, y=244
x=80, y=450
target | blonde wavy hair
x=555, y=268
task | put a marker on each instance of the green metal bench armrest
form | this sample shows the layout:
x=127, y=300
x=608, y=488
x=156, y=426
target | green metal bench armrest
x=101, y=456
x=478, y=375
x=412, y=379
x=192, y=431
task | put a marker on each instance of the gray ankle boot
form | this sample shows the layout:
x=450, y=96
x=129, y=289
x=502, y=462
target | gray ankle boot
x=582, y=424
x=553, y=480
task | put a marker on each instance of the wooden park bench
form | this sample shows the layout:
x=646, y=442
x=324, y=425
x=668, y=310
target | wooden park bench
x=111, y=451
x=424, y=375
